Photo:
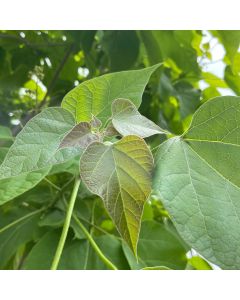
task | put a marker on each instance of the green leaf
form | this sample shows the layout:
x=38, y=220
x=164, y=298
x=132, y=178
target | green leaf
x=12, y=187
x=199, y=263
x=127, y=120
x=231, y=42
x=3, y=152
x=122, y=48
x=156, y=268
x=80, y=136
x=158, y=246
x=77, y=254
x=95, y=96
x=36, y=145
x=34, y=151
x=120, y=174
x=213, y=80
x=197, y=177
x=233, y=80
x=5, y=133
x=175, y=45
x=19, y=234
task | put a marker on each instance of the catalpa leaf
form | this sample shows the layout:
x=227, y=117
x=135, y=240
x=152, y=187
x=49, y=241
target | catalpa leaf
x=110, y=130
x=197, y=177
x=127, y=120
x=80, y=136
x=34, y=151
x=95, y=122
x=38, y=142
x=95, y=96
x=120, y=174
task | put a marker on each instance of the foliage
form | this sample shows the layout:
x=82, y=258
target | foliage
x=90, y=98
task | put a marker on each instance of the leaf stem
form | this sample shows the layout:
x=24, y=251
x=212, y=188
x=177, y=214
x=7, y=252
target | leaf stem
x=104, y=259
x=66, y=225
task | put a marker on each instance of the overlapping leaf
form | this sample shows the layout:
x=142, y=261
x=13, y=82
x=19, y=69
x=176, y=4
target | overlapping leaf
x=127, y=120
x=158, y=246
x=80, y=136
x=95, y=96
x=34, y=151
x=197, y=176
x=120, y=174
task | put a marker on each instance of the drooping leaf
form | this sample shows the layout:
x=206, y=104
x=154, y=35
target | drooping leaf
x=120, y=174
x=80, y=136
x=127, y=120
x=95, y=96
x=158, y=246
x=197, y=178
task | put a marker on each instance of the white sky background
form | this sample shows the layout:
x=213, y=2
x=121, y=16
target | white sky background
x=216, y=65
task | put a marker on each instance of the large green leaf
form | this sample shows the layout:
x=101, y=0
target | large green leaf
x=95, y=96
x=127, y=120
x=34, y=151
x=120, y=174
x=17, y=235
x=197, y=177
x=158, y=246
x=77, y=254
x=171, y=44
x=122, y=48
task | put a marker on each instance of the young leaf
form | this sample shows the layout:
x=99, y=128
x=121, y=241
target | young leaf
x=110, y=131
x=95, y=122
x=120, y=174
x=197, y=177
x=95, y=96
x=127, y=120
x=80, y=136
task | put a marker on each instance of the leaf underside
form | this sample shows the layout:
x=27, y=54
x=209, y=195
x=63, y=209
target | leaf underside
x=197, y=177
x=127, y=120
x=121, y=175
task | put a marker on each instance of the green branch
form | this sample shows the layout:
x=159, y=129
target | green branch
x=66, y=225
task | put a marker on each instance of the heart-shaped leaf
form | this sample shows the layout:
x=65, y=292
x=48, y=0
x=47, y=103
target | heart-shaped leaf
x=120, y=174
x=95, y=96
x=127, y=120
x=198, y=178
